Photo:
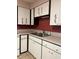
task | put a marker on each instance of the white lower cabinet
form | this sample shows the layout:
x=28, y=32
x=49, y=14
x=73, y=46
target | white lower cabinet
x=18, y=46
x=42, y=50
x=31, y=46
x=35, y=48
x=18, y=53
x=49, y=54
x=23, y=43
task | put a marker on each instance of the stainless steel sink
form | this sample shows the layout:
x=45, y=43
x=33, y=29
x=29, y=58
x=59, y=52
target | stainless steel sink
x=40, y=34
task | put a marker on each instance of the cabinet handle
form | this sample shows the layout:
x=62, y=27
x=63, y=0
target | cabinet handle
x=55, y=18
x=50, y=52
x=22, y=20
x=41, y=10
x=26, y=20
x=38, y=11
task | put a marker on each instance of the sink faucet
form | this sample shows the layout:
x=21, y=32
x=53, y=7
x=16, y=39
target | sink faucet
x=44, y=33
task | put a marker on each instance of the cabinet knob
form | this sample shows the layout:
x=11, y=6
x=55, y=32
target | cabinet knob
x=26, y=20
x=56, y=49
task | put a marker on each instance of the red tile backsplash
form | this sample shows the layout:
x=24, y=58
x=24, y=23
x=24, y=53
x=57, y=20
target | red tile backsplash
x=23, y=27
x=42, y=25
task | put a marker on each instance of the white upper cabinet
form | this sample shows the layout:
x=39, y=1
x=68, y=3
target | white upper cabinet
x=55, y=16
x=45, y=8
x=20, y=14
x=37, y=11
x=42, y=10
x=32, y=16
x=23, y=16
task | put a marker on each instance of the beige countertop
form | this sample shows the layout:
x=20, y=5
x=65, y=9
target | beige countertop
x=51, y=39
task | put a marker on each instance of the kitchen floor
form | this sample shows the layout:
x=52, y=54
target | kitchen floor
x=25, y=56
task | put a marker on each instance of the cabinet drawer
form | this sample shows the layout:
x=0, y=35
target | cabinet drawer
x=35, y=39
x=52, y=46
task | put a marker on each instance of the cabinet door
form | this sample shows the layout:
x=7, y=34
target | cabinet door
x=42, y=10
x=55, y=12
x=18, y=43
x=23, y=16
x=35, y=49
x=45, y=8
x=18, y=46
x=45, y=53
x=26, y=16
x=32, y=16
x=20, y=15
x=31, y=47
x=23, y=43
x=49, y=54
x=38, y=11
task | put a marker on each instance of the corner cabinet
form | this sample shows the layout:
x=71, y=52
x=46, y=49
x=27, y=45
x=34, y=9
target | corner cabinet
x=42, y=10
x=23, y=16
x=55, y=17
